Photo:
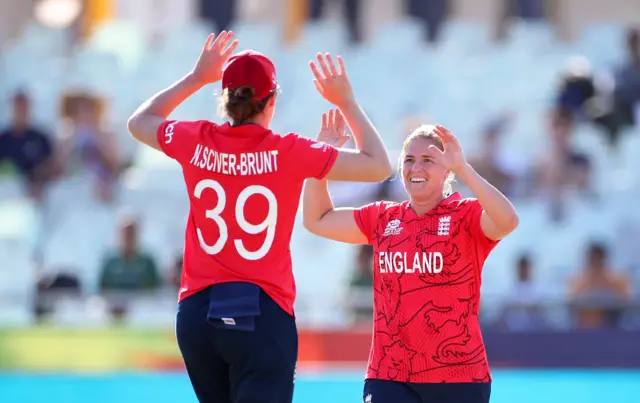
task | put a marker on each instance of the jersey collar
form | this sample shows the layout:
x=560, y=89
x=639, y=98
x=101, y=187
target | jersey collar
x=452, y=198
x=243, y=130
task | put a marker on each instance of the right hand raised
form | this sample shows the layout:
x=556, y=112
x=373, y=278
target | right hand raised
x=331, y=83
x=334, y=128
x=214, y=55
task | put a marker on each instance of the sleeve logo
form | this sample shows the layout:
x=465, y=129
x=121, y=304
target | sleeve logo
x=393, y=228
x=168, y=132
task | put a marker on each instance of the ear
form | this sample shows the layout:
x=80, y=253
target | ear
x=272, y=100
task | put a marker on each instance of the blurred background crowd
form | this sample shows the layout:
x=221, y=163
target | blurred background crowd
x=544, y=95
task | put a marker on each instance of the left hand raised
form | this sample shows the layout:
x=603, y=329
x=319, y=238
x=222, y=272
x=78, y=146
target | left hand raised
x=215, y=53
x=333, y=129
x=452, y=158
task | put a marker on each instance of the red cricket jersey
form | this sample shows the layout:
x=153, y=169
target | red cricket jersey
x=427, y=275
x=244, y=186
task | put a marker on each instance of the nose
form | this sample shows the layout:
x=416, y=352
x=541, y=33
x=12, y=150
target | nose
x=416, y=166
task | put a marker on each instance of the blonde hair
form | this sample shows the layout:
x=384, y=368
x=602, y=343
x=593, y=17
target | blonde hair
x=427, y=132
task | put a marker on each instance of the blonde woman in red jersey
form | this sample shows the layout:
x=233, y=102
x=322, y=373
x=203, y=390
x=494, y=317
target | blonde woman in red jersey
x=428, y=257
x=235, y=324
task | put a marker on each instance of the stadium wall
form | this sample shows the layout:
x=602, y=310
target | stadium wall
x=118, y=349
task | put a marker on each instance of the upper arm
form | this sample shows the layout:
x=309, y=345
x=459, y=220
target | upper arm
x=340, y=225
x=477, y=223
x=144, y=128
x=350, y=225
x=354, y=166
x=309, y=158
x=318, y=160
x=490, y=229
x=175, y=138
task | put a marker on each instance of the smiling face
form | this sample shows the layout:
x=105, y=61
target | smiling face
x=421, y=175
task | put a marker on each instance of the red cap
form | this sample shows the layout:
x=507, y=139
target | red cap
x=250, y=69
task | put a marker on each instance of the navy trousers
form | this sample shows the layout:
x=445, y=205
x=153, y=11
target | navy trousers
x=226, y=365
x=382, y=391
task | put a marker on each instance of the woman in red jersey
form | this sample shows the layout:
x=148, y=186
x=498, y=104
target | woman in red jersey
x=235, y=324
x=428, y=257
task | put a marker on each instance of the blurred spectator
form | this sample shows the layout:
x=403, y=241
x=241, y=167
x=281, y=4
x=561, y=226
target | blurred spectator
x=176, y=271
x=353, y=13
x=563, y=172
x=220, y=13
x=626, y=93
x=488, y=163
x=361, y=285
x=27, y=148
x=129, y=268
x=87, y=146
x=586, y=98
x=523, y=309
x=50, y=288
x=528, y=10
x=599, y=295
x=432, y=14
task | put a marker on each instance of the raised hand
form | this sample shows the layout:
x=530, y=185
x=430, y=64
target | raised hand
x=214, y=55
x=452, y=158
x=332, y=83
x=333, y=129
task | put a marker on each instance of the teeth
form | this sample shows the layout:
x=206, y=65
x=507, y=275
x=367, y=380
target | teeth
x=417, y=180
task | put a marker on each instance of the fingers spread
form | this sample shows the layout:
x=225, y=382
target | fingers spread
x=316, y=72
x=219, y=40
x=232, y=48
x=323, y=65
x=341, y=124
x=318, y=87
x=209, y=42
x=331, y=64
x=343, y=70
x=332, y=118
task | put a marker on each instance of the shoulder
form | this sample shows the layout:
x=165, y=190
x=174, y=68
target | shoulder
x=192, y=126
x=383, y=211
x=40, y=132
x=460, y=206
x=110, y=257
x=290, y=140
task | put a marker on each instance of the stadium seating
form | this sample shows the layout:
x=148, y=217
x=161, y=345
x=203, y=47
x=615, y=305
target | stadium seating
x=460, y=83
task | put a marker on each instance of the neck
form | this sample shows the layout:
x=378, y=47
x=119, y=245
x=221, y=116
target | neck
x=422, y=205
x=19, y=127
x=258, y=120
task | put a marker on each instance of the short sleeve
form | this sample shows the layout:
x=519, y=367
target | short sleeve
x=178, y=139
x=310, y=158
x=473, y=215
x=367, y=217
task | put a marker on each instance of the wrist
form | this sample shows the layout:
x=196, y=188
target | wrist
x=347, y=104
x=195, y=80
x=464, y=171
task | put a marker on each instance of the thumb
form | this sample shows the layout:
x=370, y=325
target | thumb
x=343, y=140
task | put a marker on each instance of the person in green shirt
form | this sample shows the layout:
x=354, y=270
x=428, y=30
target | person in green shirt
x=129, y=268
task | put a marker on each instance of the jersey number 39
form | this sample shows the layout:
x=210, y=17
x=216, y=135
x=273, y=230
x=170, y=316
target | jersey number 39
x=269, y=223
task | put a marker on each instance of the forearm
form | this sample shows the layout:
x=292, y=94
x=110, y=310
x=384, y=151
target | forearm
x=167, y=100
x=496, y=206
x=316, y=202
x=366, y=137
